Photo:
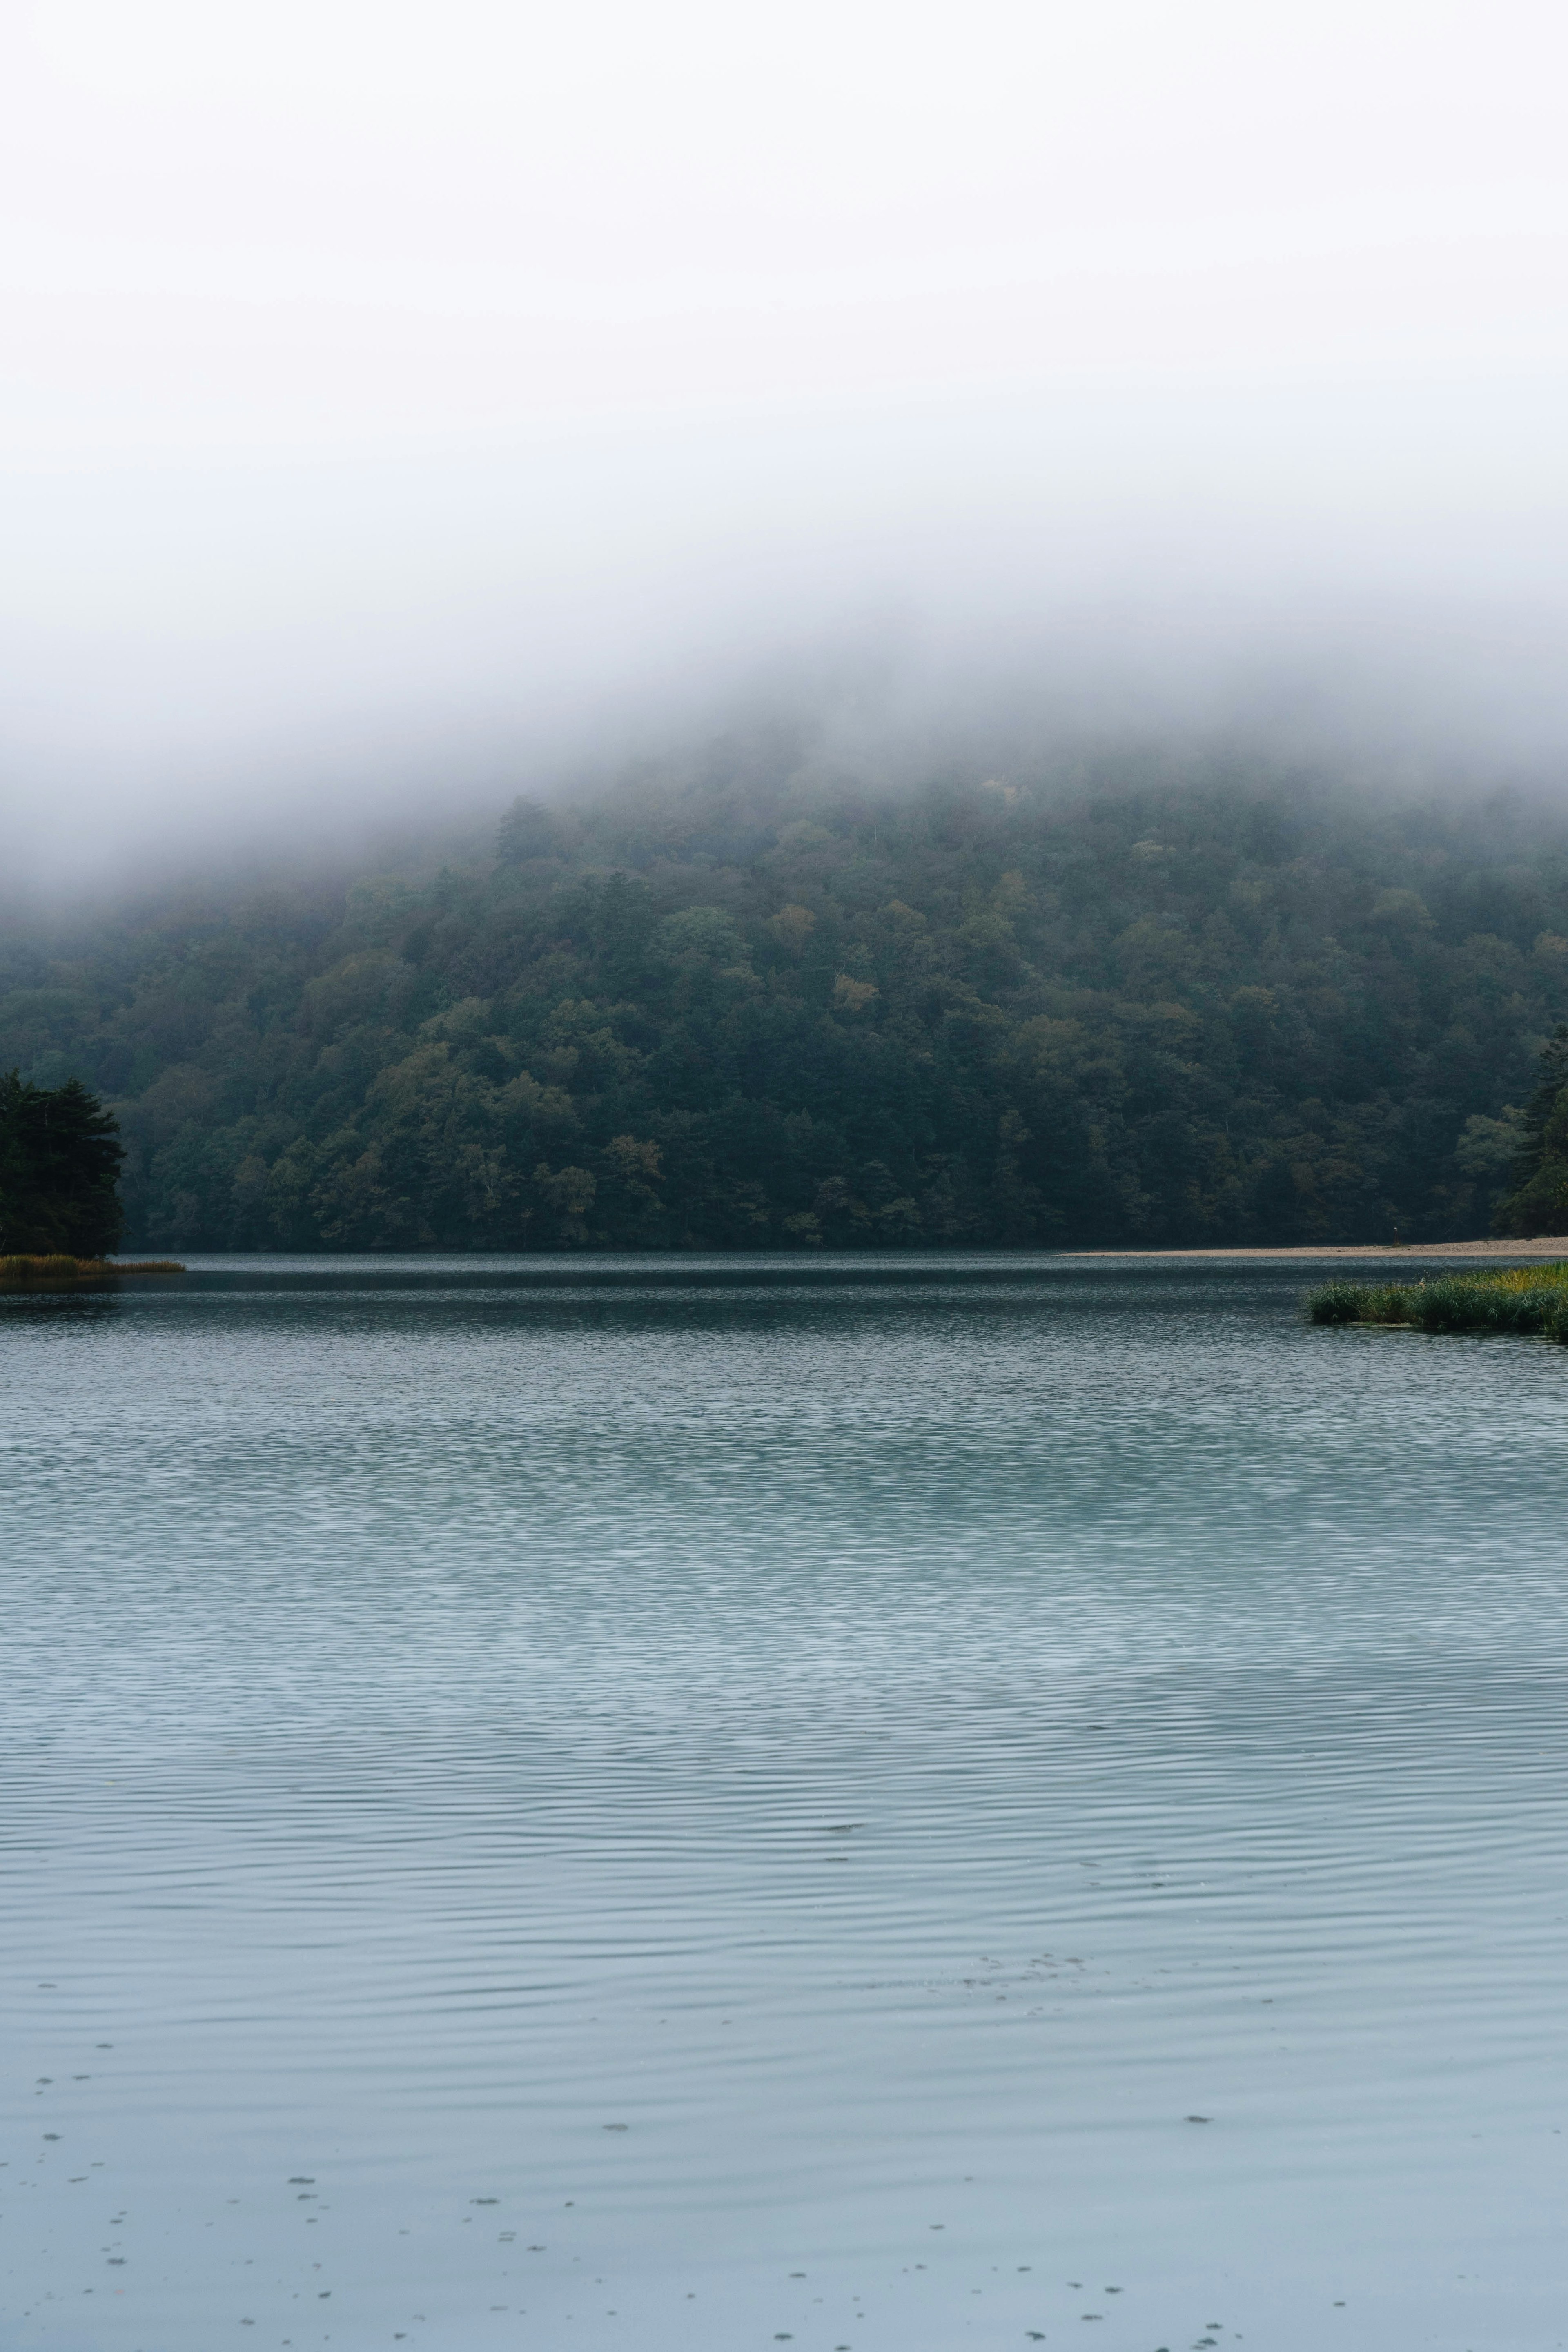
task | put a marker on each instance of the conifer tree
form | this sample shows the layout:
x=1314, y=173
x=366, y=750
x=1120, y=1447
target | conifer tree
x=1537, y=1201
x=60, y=1165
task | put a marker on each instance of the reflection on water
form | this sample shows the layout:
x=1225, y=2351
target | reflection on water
x=903, y=1813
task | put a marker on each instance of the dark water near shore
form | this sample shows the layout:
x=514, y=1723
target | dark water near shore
x=722, y=1813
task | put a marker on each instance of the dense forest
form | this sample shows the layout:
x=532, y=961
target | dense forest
x=719, y=1010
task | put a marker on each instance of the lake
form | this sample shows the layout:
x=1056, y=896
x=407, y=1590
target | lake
x=695, y=1805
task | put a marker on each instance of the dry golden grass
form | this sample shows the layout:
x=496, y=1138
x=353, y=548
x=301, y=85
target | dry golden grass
x=1529, y=1278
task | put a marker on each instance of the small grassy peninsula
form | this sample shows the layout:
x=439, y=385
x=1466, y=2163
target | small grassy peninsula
x=1528, y=1299
x=27, y=1269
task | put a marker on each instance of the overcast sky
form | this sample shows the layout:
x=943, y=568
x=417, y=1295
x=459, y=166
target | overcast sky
x=392, y=387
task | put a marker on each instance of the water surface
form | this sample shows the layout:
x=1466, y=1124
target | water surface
x=915, y=1804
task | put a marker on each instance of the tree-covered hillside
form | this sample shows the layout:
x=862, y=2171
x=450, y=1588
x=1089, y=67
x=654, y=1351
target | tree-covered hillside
x=713, y=1014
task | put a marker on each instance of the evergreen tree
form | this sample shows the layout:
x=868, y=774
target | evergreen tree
x=59, y=1165
x=1537, y=1201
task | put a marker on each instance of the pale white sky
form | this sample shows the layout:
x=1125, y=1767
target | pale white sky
x=375, y=370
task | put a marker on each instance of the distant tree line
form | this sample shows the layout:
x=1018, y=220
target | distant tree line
x=59, y=1162
x=750, y=1007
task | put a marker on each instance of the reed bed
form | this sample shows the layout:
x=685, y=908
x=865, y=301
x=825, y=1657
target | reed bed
x=55, y=1267
x=1531, y=1299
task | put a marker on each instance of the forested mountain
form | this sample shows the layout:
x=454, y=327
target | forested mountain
x=718, y=1013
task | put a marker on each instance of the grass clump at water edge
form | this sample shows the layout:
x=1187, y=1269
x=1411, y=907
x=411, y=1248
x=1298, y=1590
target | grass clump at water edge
x=53, y=1266
x=1528, y=1299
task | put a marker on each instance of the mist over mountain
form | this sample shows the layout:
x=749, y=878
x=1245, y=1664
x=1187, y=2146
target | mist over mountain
x=397, y=405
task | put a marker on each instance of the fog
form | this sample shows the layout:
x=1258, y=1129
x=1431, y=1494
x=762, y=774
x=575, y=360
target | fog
x=406, y=405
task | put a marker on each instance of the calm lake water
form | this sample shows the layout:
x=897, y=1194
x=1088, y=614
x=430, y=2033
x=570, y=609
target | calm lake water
x=923, y=1805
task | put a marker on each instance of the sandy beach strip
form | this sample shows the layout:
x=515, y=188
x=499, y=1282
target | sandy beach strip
x=1549, y=1245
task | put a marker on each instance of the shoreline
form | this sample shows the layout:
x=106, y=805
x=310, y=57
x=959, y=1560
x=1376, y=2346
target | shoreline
x=1551, y=1246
